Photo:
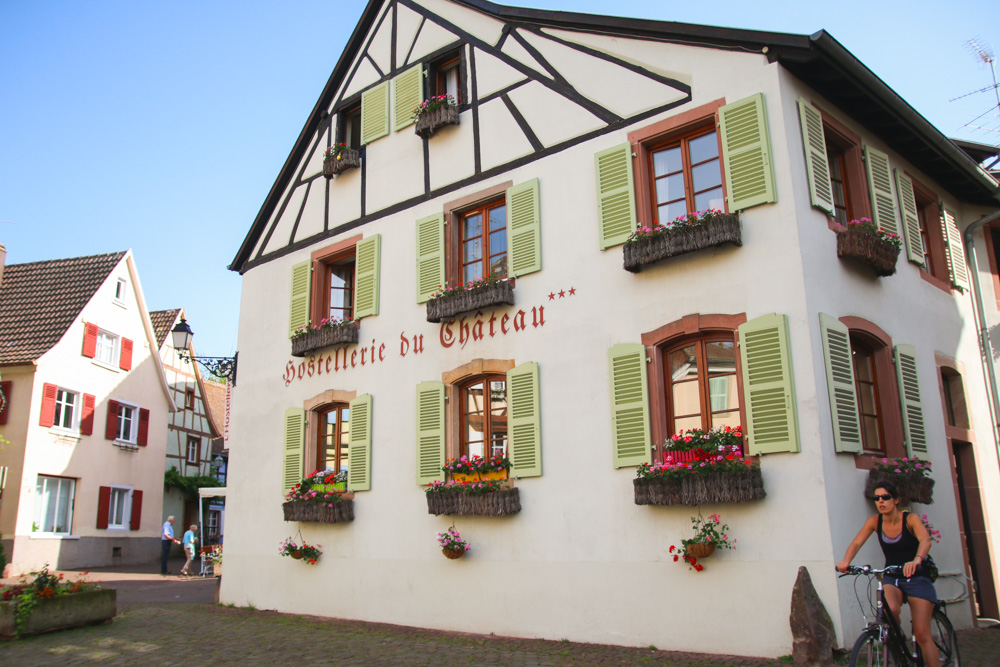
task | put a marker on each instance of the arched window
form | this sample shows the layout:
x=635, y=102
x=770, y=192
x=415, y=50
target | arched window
x=700, y=382
x=866, y=384
x=483, y=410
x=333, y=437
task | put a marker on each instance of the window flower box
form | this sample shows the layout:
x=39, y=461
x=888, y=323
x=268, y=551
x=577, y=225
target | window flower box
x=435, y=113
x=864, y=242
x=477, y=469
x=910, y=475
x=489, y=498
x=688, y=233
x=725, y=477
x=69, y=610
x=484, y=293
x=319, y=511
x=308, y=340
x=340, y=158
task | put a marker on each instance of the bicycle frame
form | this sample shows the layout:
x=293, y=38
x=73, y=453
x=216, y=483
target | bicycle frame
x=890, y=633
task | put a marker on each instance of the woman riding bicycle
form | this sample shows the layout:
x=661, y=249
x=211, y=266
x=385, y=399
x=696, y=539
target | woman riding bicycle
x=906, y=542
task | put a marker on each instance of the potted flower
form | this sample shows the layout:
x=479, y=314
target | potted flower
x=314, y=499
x=724, y=476
x=308, y=553
x=480, y=498
x=477, y=468
x=49, y=602
x=474, y=295
x=864, y=241
x=709, y=535
x=434, y=113
x=328, y=332
x=452, y=544
x=686, y=233
x=338, y=158
x=910, y=475
x=213, y=554
x=696, y=444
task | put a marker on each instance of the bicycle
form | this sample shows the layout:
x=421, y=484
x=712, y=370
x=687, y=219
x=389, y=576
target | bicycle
x=883, y=643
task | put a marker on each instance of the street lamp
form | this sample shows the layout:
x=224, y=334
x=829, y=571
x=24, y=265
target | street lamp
x=223, y=367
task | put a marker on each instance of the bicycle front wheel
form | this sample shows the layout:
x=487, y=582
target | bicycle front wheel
x=870, y=651
x=947, y=641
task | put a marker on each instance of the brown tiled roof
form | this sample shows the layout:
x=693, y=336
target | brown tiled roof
x=40, y=300
x=162, y=321
x=215, y=397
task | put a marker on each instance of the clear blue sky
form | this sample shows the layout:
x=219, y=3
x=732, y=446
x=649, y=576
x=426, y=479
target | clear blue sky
x=160, y=126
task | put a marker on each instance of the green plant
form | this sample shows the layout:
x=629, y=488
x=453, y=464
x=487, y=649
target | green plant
x=214, y=553
x=488, y=279
x=866, y=225
x=680, y=222
x=188, y=485
x=934, y=533
x=335, y=150
x=471, y=488
x=325, y=323
x=477, y=464
x=310, y=552
x=307, y=490
x=706, y=531
x=903, y=466
x=722, y=440
x=451, y=539
x=729, y=464
x=26, y=595
x=432, y=104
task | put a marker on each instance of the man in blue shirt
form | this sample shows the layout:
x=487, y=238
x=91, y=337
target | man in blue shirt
x=166, y=539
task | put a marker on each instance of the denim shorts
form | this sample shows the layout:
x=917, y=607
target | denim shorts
x=914, y=587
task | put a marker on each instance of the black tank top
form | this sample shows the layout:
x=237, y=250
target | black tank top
x=901, y=550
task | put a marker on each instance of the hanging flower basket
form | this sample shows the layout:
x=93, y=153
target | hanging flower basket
x=344, y=333
x=347, y=158
x=700, y=489
x=455, y=302
x=453, y=554
x=296, y=554
x=319, y=512
x=701, y=549
x=679, y=239
x=430, y=122
x=868, y=248
x=913, y=487
x=475, y=499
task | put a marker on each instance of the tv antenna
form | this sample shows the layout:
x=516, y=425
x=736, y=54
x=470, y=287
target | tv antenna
x=985, y=56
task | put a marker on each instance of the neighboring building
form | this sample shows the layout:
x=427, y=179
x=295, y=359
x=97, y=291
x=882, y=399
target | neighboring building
x=574, y=129
x=86, y=415
x=215, y=516
x=191, y=429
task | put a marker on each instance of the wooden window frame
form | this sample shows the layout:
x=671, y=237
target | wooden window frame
x=314, y=407
x=319, y=295
x=454, y=381
x=438, y=82
x=485, y=380
x=704, y=393
x=347, y=110
x=337, y=432
x=936, y=272
x=855, y=176
x=860, y=341
x=453, y=212
x=483, y=209
x=189, y=399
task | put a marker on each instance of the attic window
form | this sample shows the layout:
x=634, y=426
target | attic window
x=445, y=76
x=349, y=125
x=120, y=287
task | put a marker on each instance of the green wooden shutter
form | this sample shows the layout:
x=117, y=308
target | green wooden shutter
x=911, y=219
x=768, y=386
x=615, y=194
x=375, y=113
x=430, y=432
x=295, y=423
x=817, y=165
x=524, y=429
x=524, y=229
x=840, y=383
x=955, y=249
x=430, y=256
x=914, y=433
x=408, y=93
x=629, y=405
x=880, y=187
x=359, y=452
x=301, y=284
x=746, y=153
x=366, y=269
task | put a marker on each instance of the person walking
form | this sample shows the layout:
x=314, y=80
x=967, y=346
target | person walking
x=166, y=540
x=189, y=539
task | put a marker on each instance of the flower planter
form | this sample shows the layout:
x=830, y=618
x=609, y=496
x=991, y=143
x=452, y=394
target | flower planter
x=348, y=159
x=64, y=611
x=485, y=296
x=681, y=240
x=342, y=334
x=453, y=554
x=685, y=456
x=319, y=512
x=296, y=554
x=701, y=549
x=327, y=488
x=430, y=122
x=698, y=489
x=913, y=487
x=457, y=501
x=494, y=475
x=869, y=249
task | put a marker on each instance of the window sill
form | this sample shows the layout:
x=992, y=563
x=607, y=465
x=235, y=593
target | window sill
x=65, y=434
x=126, y=446
x=52, y=536
x=343, y=334
x=484, y=296
x=106, y=366
x=118, y=529
x=120, y=304
x=942, y=285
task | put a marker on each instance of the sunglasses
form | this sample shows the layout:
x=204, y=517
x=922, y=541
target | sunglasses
x=885, y=496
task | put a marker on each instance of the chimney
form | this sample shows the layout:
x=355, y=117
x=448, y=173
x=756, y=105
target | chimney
x=3, y=256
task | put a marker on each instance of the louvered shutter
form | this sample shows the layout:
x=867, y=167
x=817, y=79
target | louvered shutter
x=955, y=249
x=103, y=506
x=295, y=422
x=817, y=165
x=5, y=388
x=90, y=340
x=136, y=519
x=746, y=153
x=408, y=93
x=524, y=428
x=367, y=265
x=87, y=415
x=125, y=358
x=301, y=284
x=524, y=233
x=840, y=383
x=910, y=215
x=629, y=405
x=143, y=436
x=375, y=113
x=914, y=433
x=880, y=187
x=359, y=469
x=768, y=387
x=615, y=195
x=430, y=256
x=111, y=425
x=48, y=414
x=430, y=432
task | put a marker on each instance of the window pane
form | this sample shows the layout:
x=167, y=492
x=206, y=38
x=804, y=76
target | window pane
x=117, y=507
x=498, y=266
x=498, y=242
x=862, y=363
x=731, y=419
x=670, y=188
x=473, y=250
x=869, y=426
x=703, y=148
x=451, y=81
x=667, y=161
x=866, y=398
x=498, y=217
x=473, y=272
x=472, y=226
x=670, y=212
x=685, y=399
x=722, y=393
x=710, y=199
x=683, y=364
x=706, y=176
x=721, y=357
x=62, y=508
x=685, y=423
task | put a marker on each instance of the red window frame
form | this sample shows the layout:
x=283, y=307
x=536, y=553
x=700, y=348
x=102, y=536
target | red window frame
x=324, y=438
x=489, y=430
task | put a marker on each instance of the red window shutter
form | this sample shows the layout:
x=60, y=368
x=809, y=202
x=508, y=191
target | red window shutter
x=125, y=360
x=133, y=523
x=87, y=416
x=143, y=426
x=90, y=340
x=5, y=401
x=48, y=417
x=103, y=506
x=111, y=427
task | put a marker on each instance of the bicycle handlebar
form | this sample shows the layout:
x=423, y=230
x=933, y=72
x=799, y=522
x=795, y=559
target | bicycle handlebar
x=891, y=570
